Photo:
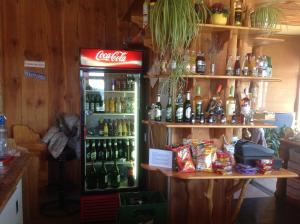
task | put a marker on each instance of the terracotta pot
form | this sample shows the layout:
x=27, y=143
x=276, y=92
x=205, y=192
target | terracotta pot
x=219, y=19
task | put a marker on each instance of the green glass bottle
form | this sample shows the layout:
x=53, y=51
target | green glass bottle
x=103, y=176
x=91, y=177
x=115, y=178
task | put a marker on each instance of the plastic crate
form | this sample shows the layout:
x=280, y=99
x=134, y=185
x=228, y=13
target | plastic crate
x=142, y=208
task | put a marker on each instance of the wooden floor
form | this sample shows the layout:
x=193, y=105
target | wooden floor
x=263, y=210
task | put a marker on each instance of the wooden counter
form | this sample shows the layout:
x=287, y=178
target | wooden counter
x=21, y=167
x=206, y=197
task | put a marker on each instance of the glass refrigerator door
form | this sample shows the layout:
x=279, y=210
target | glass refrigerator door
x=111, y=116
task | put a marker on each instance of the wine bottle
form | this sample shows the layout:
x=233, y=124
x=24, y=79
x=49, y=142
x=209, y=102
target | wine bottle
x=130, y=177
x=179, y=109
x=105, y=151
x=187, y=107
x=99, y=149
x=88, y=151
x=237, y=66
x=103, y=176
x=97, y=104
x=230, y=105
x=127, y=150
x=198, y=102
x=93, y=152
x=109, y=149
x=91, y=177
x=120, y=149
x=169, y=109
x=158, y=109
x=115, y=178
x=115, y=150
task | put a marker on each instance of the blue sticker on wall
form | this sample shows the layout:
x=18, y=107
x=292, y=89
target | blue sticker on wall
x=34, y=75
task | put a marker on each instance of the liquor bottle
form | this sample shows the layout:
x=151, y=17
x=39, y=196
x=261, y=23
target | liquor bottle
x=229, y=66
x=200, y=63
x=87, y=103
x=105, y=129
x=115, y=150
x=93, y=152
x=169, y=109
x=115, y=178
x=124, y=129
x=179, y=109
x=88, y=151
x=118, y=105
x=237, y=66
x=103, y=176
x=215, y=102
x=230, y=105
x=246, y=108
x=105, y=151
x=245, y=70
x=187, y=107
x=112, y=106
x=198, y=103
x=109, y=149
x=91, y=177
x=92, y=103
x=238, y=13
x=130, y=177
x=158, y=109
x=120, y=128
x=97, y=104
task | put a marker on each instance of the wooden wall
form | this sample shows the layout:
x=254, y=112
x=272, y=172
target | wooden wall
x=52, y=31
x=286, y=66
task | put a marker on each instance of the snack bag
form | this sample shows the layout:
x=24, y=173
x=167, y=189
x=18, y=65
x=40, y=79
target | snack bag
x=184, y=159
x=206, y=158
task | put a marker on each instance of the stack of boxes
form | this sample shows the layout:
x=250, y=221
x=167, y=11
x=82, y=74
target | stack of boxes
x=293, y=184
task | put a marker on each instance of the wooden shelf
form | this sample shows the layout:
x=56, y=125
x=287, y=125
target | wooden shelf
x=187, y=125
x=200, y=175
x=243, y=78
x=241, y=30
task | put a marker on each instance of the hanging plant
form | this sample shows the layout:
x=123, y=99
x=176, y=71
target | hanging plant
x=202, y=11
x=266, y=17
x=173, y=25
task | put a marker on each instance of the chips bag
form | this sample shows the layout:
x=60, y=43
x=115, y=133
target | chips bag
x=184, y=159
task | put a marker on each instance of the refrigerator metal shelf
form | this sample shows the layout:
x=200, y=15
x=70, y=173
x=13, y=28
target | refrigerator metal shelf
x=109, y=137
x=109, y=163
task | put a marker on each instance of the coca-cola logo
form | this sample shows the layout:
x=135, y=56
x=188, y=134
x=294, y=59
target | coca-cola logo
x=117, y=56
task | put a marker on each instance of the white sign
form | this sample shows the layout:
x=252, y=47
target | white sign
x=34, y=64
x=160, y=158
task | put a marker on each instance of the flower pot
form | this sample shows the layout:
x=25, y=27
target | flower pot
x=219, y=19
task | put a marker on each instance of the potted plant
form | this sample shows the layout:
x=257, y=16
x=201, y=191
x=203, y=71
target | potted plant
x=173, y=25
x=202, y=10
x=220, y=14
x=266, y=17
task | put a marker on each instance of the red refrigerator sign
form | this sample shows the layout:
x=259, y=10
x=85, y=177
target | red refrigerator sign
x=115, y=59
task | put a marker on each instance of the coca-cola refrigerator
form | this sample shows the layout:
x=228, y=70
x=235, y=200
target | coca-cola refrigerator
x=110, y=82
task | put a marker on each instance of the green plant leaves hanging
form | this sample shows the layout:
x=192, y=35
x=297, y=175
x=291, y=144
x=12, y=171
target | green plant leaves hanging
x=173, y=25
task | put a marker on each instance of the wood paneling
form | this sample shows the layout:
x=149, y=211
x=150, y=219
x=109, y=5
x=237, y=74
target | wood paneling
x=52, y=31
x=286, y=60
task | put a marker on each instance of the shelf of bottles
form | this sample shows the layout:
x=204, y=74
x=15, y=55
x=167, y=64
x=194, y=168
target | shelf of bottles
x=111, y=105
x=201, y=112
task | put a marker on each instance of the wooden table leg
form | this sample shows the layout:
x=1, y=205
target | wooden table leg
x=241, y=185
x=209, y=196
